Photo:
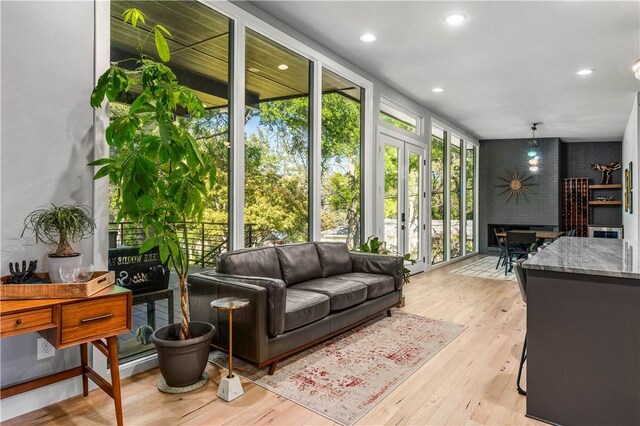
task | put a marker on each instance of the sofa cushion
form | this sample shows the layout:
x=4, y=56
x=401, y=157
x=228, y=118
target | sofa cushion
x=342, y=293
x=299, y=262
x=377, y=284
x=304, y=307
x=255, y=262
x=334, y=258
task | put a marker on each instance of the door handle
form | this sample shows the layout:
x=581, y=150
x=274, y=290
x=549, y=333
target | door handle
x=402, y=218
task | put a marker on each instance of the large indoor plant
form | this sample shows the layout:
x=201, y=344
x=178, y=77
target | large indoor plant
x=60, y=225
x=157, y=166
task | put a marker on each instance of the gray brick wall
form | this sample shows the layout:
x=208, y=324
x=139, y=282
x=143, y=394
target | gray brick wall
x=542, y=207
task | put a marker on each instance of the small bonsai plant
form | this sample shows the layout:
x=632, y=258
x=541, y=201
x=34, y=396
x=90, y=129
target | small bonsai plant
x=375, y=245
x=61, y=225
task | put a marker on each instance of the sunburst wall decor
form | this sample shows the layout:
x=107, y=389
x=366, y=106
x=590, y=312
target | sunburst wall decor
x=515, y=185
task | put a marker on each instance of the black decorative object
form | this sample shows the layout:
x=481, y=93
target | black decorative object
x=21, y=275
x=606, y=170
x=139, y=272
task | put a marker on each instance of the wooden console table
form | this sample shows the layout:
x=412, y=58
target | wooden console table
x=71, y=322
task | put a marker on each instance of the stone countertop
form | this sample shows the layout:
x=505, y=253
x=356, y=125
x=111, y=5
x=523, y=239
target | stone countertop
x=590, y=256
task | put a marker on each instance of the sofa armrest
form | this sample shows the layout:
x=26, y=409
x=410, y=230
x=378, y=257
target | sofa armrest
x=250, y=324
x=379, y=264
x=276, y=297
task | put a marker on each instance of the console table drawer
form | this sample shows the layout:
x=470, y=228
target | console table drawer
x=93, y=319
x=26, y=321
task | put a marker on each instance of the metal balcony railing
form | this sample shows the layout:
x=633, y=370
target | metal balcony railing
x=204, y=240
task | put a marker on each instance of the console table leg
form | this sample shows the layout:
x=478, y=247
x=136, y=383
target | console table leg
x=112, y=345
x=84, y=362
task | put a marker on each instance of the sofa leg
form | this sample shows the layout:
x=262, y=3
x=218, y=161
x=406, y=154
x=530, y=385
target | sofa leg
x=272, y=367
x=388, y=312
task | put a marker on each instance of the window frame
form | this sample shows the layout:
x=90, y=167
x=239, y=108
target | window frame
x=400, y=111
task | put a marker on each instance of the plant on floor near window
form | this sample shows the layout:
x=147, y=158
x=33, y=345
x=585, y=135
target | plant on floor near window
x=375, y=245
x=161, y=174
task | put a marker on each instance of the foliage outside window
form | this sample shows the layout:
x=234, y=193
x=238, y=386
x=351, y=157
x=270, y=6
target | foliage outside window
x=455, y=197
x=341, y=160
x=438, y=139
x=276, y=142
x=391, y=184
x=400, y=119
x=470, y=197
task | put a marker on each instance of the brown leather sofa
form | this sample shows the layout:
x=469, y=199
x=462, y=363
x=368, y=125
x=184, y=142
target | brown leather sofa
x=300, y=294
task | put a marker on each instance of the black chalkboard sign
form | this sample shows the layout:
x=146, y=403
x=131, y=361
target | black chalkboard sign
x=141, y=273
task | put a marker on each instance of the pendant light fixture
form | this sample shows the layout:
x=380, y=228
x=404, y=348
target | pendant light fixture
x=534, y=156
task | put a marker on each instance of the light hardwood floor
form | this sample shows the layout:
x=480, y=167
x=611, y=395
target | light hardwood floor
x=471, y=381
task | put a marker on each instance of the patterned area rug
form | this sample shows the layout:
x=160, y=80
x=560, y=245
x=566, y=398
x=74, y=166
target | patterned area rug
x=484, y=267
x=345, y=377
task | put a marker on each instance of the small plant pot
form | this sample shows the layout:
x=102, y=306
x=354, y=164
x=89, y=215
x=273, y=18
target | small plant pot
x=182, y=362
x=54, y=263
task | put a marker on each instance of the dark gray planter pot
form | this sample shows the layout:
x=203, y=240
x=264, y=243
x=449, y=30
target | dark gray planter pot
x=182, y=362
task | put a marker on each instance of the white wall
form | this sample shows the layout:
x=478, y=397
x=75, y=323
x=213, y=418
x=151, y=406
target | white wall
x=47, y=72
x=631, y=152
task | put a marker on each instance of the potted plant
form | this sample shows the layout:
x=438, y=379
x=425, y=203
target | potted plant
x=375, y=245
x=162, y=179
x=60, y=225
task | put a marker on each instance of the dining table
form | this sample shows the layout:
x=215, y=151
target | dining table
x=540, y=235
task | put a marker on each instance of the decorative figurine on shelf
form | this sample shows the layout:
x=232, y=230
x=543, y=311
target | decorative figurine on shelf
x=606, y=171
x=20, y=276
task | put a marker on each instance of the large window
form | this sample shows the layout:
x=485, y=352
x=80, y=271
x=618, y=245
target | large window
x=396, y=117
x=276, y=143
x=455, y=197
x=438, y=139
x=200, y=48
x=340, y=160
x=470, y=168
x=453, y=166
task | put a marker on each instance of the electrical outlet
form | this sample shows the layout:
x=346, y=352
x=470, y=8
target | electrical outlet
x=45, y=349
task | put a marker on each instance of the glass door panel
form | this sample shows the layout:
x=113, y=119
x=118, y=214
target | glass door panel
x=414, y=189
x=391, y=198
x=404, y=220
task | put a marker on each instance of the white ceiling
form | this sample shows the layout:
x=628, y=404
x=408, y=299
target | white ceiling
x=511, y=63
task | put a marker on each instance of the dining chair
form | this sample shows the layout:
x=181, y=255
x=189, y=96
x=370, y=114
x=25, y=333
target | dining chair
x=502, y=244
x=519, y=245
x=570, y=233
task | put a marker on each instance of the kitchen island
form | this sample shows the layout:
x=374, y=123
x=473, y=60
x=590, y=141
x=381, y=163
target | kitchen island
x=583, y=332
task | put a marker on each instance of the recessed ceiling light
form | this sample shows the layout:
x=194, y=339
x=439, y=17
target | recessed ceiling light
x=283, y=67
x=455, y=19
x=585, y=72
x=367, y=37
x=437, y=89
x=252, y=69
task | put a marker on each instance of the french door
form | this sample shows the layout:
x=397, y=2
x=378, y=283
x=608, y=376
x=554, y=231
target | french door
x=403, y=189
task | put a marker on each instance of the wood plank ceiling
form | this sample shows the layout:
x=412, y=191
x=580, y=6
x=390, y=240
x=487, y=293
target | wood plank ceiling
x=200, y=54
